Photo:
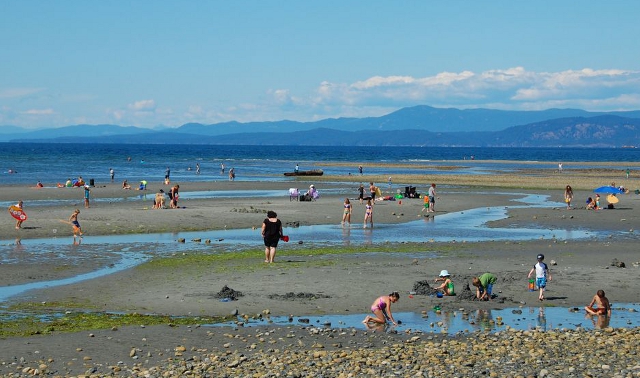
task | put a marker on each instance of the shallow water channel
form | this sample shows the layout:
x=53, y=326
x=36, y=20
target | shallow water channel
x=624, y=315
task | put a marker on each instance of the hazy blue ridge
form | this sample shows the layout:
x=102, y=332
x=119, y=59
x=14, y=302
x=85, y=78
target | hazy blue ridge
x=414, y=126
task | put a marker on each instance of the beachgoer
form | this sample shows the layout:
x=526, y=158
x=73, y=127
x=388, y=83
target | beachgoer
x=112, y=173
x=232, y=174
x=39, y=185
x=296, y=169
x=390, y=184
x=125, y=185
x=313, y=192
x=360, y=170
x=77, y=230
x=597, y=201
x=484, y=286
x=368, y=214
x=87, y=194
x=628, y=172
x=426, y=204
x=167, y=173
x=447, y=287
x=271, y=233
x=432, y=198
x=381, y=308
x=197, y=168
x=222, y=168
x=173, y=196
x=372, y=192
x=361, y=193
x=159, y=201
x=69, y=183
x=568, y=196
x=346, y=216
x=559, y=167
x=542, y=274
x=19, y=221
x=599, y=305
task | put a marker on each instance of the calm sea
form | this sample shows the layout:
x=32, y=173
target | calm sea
x=53, y=163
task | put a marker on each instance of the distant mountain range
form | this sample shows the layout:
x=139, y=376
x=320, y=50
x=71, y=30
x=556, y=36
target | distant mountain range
x=414, y=126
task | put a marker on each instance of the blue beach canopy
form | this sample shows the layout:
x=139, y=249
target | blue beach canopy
x=607, y=189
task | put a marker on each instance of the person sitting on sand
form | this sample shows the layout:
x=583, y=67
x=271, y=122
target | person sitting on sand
x=381, y=308
x=39, y=185
x=599, y=305
x=484, y=286
x=591, y=204
x=125, y=185
x=447, y=285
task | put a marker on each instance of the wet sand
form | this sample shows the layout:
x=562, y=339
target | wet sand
x=350, y=281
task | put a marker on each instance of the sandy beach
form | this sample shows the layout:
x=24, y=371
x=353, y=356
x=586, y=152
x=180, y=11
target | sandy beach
x=343, y=283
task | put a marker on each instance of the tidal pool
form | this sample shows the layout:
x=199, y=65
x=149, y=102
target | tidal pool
x=624, y=315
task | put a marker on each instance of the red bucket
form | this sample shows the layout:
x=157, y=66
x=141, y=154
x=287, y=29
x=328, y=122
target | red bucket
x=285, y=238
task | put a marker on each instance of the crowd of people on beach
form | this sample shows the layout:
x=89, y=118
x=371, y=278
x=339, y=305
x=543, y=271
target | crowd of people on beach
x=272, y=233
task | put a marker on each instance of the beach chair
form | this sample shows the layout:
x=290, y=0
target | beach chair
x=293, y=194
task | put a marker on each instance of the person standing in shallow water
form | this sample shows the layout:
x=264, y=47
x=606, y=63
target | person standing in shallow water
x=346, y=216
x=568, y=196
x=73, y=219
x=271, y=233
x=368, y=214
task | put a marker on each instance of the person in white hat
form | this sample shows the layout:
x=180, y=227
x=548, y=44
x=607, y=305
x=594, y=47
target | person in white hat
x=87, y=194
x=447, y=285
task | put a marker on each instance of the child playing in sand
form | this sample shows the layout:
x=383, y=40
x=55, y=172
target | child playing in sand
x=77, y=230
x=542, y=273
x=447, y=284
x=381, y=308
x=484, y=286
x=599, y=305
x=346, y=217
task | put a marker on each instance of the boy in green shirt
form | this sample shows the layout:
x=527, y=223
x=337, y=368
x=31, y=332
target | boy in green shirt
x=484, y=286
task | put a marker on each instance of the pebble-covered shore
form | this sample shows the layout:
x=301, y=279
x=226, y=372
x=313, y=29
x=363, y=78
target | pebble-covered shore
x=318, y=352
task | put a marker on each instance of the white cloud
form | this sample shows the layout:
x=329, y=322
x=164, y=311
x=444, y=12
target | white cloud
x=512, y=87
x=38, y=112
x=18, y=92
x=143, y=106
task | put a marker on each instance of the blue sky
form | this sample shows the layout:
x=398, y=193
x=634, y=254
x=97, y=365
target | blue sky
x=166, y=63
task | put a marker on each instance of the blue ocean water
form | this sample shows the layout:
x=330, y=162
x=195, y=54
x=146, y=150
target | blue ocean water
x=52, y=163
